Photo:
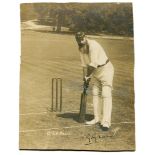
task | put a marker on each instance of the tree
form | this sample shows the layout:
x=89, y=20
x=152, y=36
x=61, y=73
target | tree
x=115, y=18
x=58, y=14
x=42, y=11
x=27, y=12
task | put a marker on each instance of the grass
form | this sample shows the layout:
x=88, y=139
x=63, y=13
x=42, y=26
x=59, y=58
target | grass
x=45, y=56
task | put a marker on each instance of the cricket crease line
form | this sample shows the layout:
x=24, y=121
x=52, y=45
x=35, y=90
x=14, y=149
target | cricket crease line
x=75, y=111
x=35, y=130
x=45, y=112
x=39, y=113
x=67, y=127
x=38, y=130
x=124, y=123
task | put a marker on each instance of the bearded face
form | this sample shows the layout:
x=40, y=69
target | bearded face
x=84, y=48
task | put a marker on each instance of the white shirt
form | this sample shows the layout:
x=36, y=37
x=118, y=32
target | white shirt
x=96, y=55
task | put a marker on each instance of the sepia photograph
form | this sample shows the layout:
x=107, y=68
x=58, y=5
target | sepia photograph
x=77, y=77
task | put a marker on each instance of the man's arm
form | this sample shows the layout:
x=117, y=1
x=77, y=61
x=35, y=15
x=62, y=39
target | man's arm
x=87, y=77
x=90, y=70
x=84, y=71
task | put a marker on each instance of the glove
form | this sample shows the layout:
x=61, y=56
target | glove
x=86, y=79
x=86, y=82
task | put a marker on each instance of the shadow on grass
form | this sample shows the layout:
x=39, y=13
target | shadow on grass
x=75, y=116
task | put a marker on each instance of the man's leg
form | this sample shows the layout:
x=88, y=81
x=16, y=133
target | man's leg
x=107, y=106
x=97, y=98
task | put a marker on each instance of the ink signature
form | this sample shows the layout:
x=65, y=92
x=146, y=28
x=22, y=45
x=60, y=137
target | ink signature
x=98, y=137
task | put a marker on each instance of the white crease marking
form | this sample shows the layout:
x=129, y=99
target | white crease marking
x=67, y=127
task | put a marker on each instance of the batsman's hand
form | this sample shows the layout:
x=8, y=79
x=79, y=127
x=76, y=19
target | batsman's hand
x=86, y=81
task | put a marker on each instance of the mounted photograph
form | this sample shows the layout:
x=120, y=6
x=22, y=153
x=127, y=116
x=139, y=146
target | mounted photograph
x=77, y=77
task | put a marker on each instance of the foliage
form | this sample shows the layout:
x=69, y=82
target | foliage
x=114, y=18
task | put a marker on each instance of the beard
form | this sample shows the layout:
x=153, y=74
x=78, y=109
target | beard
x=84, y=49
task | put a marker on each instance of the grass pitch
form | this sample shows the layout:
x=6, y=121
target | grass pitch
x=45, y=56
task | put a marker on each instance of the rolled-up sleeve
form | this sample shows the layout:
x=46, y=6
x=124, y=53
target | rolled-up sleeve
x=93, y=54
x=83, y=63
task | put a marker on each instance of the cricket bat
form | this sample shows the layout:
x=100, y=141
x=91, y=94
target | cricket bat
x=83, y=104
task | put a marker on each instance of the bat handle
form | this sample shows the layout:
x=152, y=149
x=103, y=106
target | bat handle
x=85, y=91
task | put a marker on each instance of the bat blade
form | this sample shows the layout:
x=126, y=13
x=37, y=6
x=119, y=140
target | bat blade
x=82, y=112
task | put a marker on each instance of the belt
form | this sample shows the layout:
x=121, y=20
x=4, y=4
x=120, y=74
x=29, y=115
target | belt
x=104, y=64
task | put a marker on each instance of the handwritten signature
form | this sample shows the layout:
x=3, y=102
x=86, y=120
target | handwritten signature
x=98, y=137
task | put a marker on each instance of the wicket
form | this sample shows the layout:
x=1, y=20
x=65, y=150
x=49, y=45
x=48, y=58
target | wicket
x=56, y=95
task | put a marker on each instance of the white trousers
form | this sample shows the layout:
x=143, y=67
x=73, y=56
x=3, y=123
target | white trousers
x=102, y=94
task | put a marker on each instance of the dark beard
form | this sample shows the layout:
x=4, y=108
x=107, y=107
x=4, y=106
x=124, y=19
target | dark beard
x=84, y=49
